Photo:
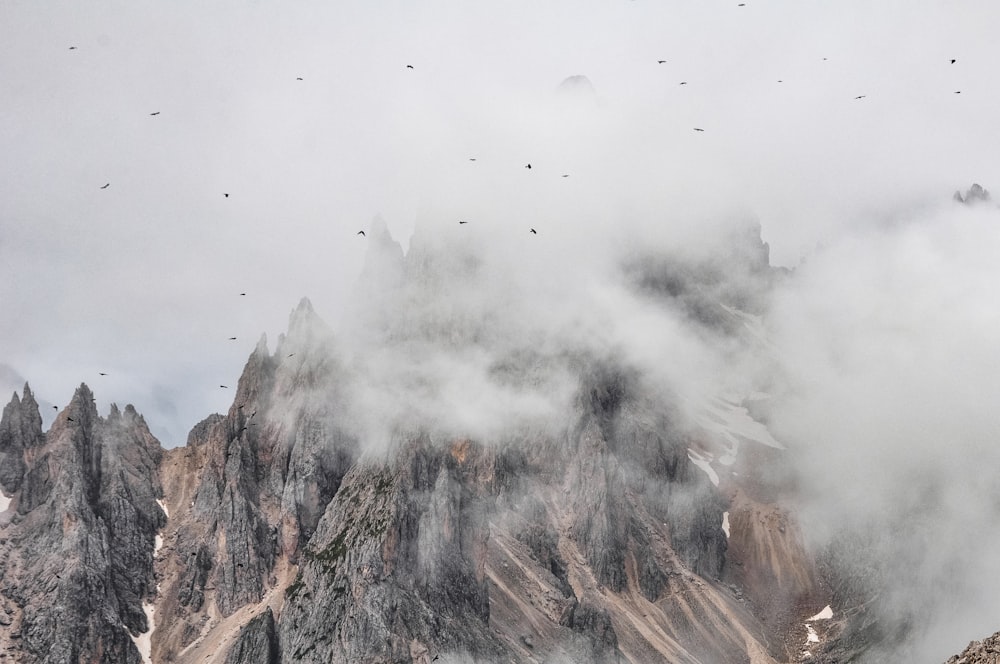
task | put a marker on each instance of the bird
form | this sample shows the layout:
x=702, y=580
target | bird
x=779, y=80
x=953, y=61
x=361, y=233
x=565, y=175
x=698, y=129
x=291, y=354
x=661, y=62
x=298, y=78
x=73, y=48
x=242, y=294
x=462, y=222
x=225, y=387
x=958, y=92
x=101, y=373
x=683, y=82
x=742, y=4
x=528, y=166
x=55, y=407
x=71, y=419
x=533, y=231
x=156, y=113
x=472, y=158
x=861, y=96
x=232, y=338
x=106, y=186
x=409, y=66
x=226, y=195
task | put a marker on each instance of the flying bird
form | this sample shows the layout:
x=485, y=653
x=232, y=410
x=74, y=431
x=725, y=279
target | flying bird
x=226, y=195
x=742, y=4
x=565, y=175
x=156, y=113
x=528, y=166
x=958, y=92
x=409, y=66
x=861, y=96
x=55, y=407
x=291, y=354
x=661, y=62
x=361, y=233
x=101, y=374
x=71, y=419
x=225, y=387
x=472, y=158
x=462, y=222
x=242, y=294
x=106, y=186
x=73, y=48
x=298, y=78
x=232, y=338
x=953, y=61
x=533, y=231
x=683, y=83
x=698, y=129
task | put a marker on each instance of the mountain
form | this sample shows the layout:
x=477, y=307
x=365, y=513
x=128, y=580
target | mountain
x=443, y=481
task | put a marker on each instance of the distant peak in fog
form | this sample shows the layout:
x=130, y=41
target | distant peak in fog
x=975, y=194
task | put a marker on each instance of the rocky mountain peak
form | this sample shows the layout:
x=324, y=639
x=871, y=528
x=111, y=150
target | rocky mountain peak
x=975, y=194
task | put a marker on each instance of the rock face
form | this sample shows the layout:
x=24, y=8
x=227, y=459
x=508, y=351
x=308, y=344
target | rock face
x=610, y=532
x=986, y=651
x=78, y=536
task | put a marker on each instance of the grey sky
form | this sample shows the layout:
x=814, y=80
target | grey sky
x=141, y=280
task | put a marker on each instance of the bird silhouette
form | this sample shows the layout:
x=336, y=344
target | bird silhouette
x=742, y=4
x=291, y=354
x=565, y=175
x=106, y=186
x=472, y=158
x=683, y=83
x=55, y=407
x=156, y=113
x=298, y=78
x=242, y=294
x=698, y=129
x=533, y=231
x=462, y=222
x=861, y=96
x=958, y=92
x=660, y=62
x=225, y=387
x=232, y=338
x=953, y=61
x=528, y=166
x=71, y=419
x=73, y=48
x=226, y=195
x=409, y=66
x=101, y=374
x=362, y=233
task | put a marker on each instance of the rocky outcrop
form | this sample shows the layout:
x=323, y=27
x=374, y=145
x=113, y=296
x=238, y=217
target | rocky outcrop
x=79, y=549
x=986, y=651
x=20, y=430
x=975, y=194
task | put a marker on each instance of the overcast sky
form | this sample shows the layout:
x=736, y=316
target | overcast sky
x=141, y=280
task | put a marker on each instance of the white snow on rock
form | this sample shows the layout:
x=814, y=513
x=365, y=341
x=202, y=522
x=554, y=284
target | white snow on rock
x=725, y=523
x=812, y=636
x=157, y=543
x=704, y=464
x=733, y=423
x=163, y=506
x=825, y=614
x=4, y=501
x=144, y=642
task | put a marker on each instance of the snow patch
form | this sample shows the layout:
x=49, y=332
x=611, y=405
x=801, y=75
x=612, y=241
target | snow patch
x=144, y=642
x=725, y=523
x=733, y=422
x=812, y=636
x=825, y=614
x=157, y=543
x=704, y=464
x=163, y=506
x=4, y=501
